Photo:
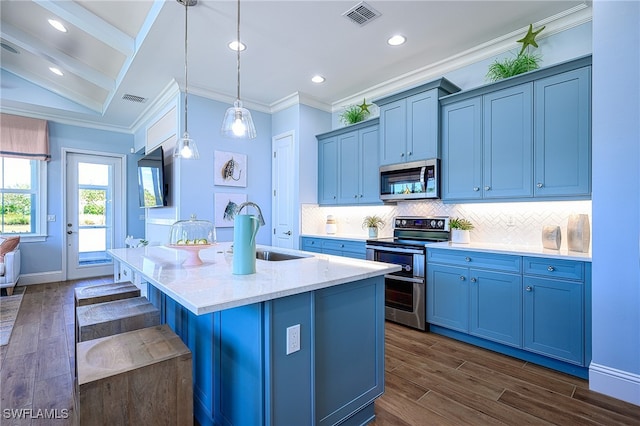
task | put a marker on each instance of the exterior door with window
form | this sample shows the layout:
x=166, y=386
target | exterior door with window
x=94, y=213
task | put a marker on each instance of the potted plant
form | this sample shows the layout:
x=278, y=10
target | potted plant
x=460, y=230
x=373, y=223
x=355, y=113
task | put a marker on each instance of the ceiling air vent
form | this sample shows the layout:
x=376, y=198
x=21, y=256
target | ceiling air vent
x=361, y=13
x=134, y=98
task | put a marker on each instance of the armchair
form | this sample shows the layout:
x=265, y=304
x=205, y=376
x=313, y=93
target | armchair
x=10, y=269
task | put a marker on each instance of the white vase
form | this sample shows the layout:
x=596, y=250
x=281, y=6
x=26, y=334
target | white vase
x=460, y=236
x=578, y=233
x=373, y=232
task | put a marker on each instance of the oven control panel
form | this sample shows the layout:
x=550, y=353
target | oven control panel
x=432, y=223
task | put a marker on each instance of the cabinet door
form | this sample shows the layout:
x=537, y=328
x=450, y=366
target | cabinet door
x=462, y=150
x=563, y=134
x=369, y=166
x=422, y=126
x=508, y=143
x=496, y=306
x=328, y=171
x=393, y=132
x=448, y=297
x=348, y=169
x=554, y=318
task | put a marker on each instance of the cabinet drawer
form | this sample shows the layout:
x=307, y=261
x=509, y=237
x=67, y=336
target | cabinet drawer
x=475, y=259
x=555, y=268
x=345, y=246
x=312, y=244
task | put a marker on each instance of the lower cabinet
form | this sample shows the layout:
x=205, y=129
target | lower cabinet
x=337, y=247
x=242, y=374
x=530, y=307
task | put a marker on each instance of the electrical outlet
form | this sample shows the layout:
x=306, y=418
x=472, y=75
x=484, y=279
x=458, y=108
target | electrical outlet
x=293, y=339
x=51, y=218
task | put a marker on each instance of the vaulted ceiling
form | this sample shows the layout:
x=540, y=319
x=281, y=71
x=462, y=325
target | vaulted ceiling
x=116, y=48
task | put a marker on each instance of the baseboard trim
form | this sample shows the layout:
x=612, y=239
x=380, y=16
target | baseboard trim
x=40, y=278
x=615, y=383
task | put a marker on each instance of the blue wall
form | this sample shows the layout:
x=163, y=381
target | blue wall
x=47, y=256
x=615, y=368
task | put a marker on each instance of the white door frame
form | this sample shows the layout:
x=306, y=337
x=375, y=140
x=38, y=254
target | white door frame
x=119, y=231
x=277, y=239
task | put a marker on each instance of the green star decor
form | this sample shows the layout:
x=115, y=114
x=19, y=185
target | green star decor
x=365, y=106
x=529, y=39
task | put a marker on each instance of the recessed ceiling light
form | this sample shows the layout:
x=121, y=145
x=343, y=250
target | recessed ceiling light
x=56, y=71
x=57, y=25
x=397, y=40
x=317, y=79
x=234, y=46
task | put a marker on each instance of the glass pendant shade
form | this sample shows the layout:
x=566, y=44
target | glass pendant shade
x=238, y=123
x=186, y=148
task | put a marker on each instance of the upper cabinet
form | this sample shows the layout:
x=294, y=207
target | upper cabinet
x=521, y=138
x=348, y=165
x=409, y=122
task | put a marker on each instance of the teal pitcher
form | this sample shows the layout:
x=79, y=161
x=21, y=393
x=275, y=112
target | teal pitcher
x=245, y=228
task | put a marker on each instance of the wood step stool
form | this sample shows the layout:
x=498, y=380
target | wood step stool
x=142, y=377
x=105, y=293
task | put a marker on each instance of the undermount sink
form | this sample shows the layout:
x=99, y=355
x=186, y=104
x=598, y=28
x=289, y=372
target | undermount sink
x=275, y=256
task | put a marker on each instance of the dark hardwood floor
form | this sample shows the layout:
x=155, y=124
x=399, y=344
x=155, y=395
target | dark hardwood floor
x=430, y=379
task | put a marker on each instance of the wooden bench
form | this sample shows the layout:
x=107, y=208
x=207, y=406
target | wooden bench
x=109, y=318
x=141, y=377
x=105, y=293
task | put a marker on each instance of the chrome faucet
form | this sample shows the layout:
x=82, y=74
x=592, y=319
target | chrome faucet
x=254, y=205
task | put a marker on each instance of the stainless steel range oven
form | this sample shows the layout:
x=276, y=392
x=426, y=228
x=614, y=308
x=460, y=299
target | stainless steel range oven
x=405, y=291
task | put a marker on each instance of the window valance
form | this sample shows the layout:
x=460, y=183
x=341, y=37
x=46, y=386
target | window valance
x=23, y=137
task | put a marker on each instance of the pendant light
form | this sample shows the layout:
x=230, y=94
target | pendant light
x=186, y=147
x=237, y=121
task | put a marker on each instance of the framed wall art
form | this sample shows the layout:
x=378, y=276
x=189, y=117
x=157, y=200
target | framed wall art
x=224, y=206
x=230, y=169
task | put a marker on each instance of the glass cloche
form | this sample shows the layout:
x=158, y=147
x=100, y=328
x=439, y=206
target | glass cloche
x=192, y=232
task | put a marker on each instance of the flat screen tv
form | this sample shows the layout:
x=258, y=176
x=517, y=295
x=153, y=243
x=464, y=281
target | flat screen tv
x=151, y=186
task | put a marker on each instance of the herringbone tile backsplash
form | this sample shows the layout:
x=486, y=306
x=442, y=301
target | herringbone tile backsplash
x=496, y=223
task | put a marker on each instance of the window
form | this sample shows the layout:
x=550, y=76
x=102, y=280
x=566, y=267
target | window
x=23, y=197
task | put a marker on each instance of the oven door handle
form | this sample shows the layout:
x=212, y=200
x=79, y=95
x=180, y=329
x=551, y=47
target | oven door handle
x=395, y=250
x=405, y=279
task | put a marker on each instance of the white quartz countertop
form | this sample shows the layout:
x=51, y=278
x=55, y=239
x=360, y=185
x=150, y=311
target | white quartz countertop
x=212, y=286
x=533, y=251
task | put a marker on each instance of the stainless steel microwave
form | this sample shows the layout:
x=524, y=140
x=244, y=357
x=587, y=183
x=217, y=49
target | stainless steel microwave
x=410, y=181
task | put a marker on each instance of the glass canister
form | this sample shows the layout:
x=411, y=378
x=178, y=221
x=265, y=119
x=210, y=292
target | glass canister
x=192, y=232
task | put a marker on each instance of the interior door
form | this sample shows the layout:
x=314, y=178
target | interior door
x=282, y=182
x=94, y=213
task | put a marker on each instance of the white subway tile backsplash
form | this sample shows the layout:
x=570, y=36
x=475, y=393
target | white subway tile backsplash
x=498, y=223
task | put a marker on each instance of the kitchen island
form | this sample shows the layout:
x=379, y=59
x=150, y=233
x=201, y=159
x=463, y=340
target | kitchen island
x=246, y=372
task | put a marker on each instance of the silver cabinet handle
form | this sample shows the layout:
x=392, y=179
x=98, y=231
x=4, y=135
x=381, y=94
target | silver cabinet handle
x=355, y=196
x=473, y=280
x=402, y=155
x=462, y=278
x=539, y=185
x=528, y=288
x=467, y=259
x=487, y=188
x=551, y=269
x=475, y=188
x=409, y=153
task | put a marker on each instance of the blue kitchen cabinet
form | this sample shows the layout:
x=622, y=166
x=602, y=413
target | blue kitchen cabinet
x=334, y=246
x=409, y=122
x=328, y=170
x=563, y=134
x=554, y=308
x=462, y=150
x=348, y=165
x=507, y=160
x=475, y=293
x=523, y=138
x=448, y=296
x=496, y=306
x=533, y=308
x=243, y=376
